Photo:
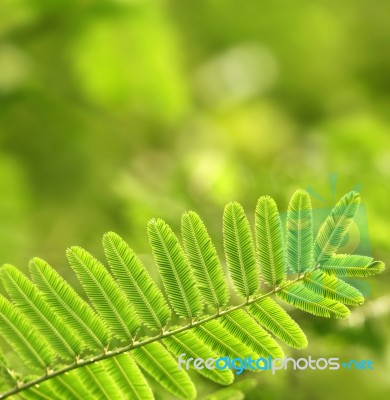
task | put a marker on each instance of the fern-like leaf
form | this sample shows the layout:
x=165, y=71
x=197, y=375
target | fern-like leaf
x=244, y=328
x=190, y=345
x=275, y=319
x=31, y=347
x=25, y=295
x=204, y=261
x=102, y=385
x=299, y=242
x=221, y=341
x=48, y=314
x=177, y=277
x=159, y=364
x=352, y=266
x=136, y=283
x=335, y=227
x=239, y=250
x=70, y=386
x=47, y=392
x=269, y=241
x=129, y=379
x=83, y=384
x=108, y=299
x=69, y=306
x=58, y=388
x=306, y=300
x=333, y=288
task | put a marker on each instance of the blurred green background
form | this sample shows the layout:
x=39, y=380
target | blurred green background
x=116, y=111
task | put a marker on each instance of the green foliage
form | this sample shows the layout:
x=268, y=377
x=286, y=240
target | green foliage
x=25, y=295
x=214, y=335
x=273, y=317
x=333, y=288
x=269, y=241
x=189, y=344
x=177, y=277
x=130, y=380
x=74, y=386
x=203, y=259
x=335, y=227
x=306, y=300
x=247, y=331
x=81, y=350
x=159, y=363
x=98, y=378
x=108, y=299
x=136, y=283
x=299, y=243
x=352, y=266
x=15, y=328
x=239, y=250
x=69, y=306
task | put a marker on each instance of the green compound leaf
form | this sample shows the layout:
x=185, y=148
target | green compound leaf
x=177, y=277
x=128, y=378
x=335, y=227
x=269, y=242
x=106, y=296
x=204, y=261
x=25, y=295
x=159, y=363
x=192, y=347
x=299, y=243
x=239, y=250
x=136, y=283
x=275, y=319
x=69, y=306
x=48, y=391
x=100, y=382
x=306, y=300
x=221, y=341
x=245, y=329
x=70, y=386
x=333, y=288
x=31, y=347
x=352, y=266
x=81, y=354
x=67, y=386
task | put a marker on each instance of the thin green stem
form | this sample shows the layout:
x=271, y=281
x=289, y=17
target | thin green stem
x=112, y=353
